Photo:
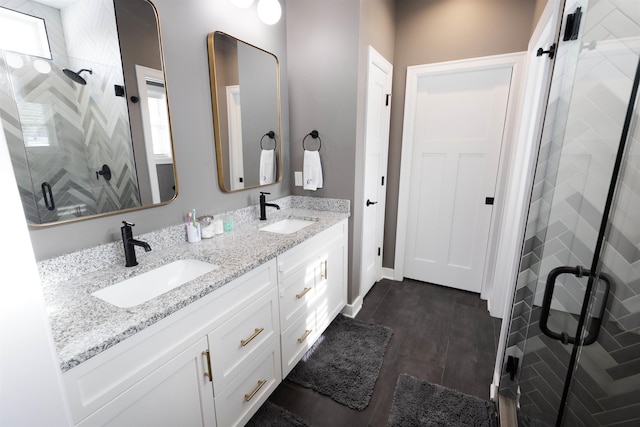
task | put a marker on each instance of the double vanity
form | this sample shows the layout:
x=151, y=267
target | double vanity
x=234, y=316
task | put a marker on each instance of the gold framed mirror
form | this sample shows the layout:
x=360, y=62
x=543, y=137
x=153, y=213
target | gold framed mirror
x=86, y=114
x=245, y=96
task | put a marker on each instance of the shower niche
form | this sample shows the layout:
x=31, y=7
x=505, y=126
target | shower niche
x=85, y=113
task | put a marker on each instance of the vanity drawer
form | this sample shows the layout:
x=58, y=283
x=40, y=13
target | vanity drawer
x=306, y=253
x=236, y=342
x=97, y=381
x=297, y=294
x=296, y=340
x=247, y=392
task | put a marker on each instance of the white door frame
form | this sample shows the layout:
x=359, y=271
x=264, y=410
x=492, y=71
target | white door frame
x=520, y=177
x=31, y=375
x=513, y=60
x=144, y=75
x=375, y=59
x=234, y=124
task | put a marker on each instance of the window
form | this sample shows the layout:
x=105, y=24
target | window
x=159, y=118
x=37, y=124
x=23, y=33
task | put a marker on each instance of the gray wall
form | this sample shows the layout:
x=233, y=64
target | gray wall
x=327, y=72
x=184, y=32
x=322, y=46
x=430, y=31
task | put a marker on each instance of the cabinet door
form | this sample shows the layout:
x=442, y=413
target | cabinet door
x=297, y=292
x=297, y=339
x=331, y=289
x=177, y=393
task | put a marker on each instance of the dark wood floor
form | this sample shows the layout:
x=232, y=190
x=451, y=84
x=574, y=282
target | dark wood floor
x=441, y=335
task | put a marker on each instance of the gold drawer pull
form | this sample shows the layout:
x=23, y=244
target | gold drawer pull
x=248, y=397
x=304, y=337
x=208, y=374
x=301, y=294
x=255, y=334
x=324, y=271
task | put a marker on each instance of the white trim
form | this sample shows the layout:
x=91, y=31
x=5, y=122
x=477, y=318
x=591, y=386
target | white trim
x=31, y=376
x=520, y=175
x=143, y=75
x=513, y=60
x=374, y=59
x=352, y=310
x=498, y=226
x=234, y=126
x=389, y=273
x=520, y=179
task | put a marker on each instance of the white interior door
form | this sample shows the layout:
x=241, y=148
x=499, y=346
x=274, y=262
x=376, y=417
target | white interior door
x=456, y=122
x=378, y=110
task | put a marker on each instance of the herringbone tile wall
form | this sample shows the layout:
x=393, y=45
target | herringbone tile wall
x=587, y=107
x=87, y=126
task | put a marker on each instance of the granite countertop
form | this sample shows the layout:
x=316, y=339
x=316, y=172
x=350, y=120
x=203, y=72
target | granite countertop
x=83, y=325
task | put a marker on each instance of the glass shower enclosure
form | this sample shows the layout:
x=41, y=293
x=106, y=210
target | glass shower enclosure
x=573, y=351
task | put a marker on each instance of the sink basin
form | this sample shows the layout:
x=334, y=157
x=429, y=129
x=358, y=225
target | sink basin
x=153, y=283
x=287, y=226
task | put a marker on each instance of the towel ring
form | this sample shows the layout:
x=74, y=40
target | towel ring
x=272, y=135
x=313, y=134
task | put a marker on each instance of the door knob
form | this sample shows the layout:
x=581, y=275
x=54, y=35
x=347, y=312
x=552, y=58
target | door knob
x=369, y=202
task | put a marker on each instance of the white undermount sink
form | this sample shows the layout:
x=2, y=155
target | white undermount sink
x=153, y=283
x=287, y=226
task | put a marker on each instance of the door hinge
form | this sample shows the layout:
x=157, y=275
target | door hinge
x=382, y=183
x=379, y=251
x=572, y=28
x=551, y=52
x=386, y=103
x=512, y=367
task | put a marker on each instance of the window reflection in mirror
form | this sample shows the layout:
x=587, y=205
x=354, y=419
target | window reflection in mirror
x=71, y=108
x=245, y=92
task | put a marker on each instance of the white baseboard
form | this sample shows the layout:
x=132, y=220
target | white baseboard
x=352, y=310
x=389, y=273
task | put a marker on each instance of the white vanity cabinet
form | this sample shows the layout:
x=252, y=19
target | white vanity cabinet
x=177, y=393
x=173, y=371
x=217, y=360
x=312, y=283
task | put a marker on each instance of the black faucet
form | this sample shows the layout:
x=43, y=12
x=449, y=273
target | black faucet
x=263, y=206
x=130, y=243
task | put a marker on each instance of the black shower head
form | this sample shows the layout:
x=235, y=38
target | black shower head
x=76, y=77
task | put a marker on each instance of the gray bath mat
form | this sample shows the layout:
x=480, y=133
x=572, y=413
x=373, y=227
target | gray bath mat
x=272, y=415
x=420, y=403
x=345, y=362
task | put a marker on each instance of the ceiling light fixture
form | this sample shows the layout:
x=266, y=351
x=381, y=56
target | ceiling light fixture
x=269, y=11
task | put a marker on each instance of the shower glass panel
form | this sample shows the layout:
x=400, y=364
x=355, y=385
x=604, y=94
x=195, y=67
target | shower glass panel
x=566, y=254
x=60, y=133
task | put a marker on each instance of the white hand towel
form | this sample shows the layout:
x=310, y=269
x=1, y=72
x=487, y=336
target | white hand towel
x=267, y=167
x=311, y=171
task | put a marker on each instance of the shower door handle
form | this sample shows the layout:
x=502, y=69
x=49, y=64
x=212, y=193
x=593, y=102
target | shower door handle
x=595, y=322
x=47, y=195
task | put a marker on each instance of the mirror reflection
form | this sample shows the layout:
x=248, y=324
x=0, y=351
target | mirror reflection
x=245, y=92
x=83, y=107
